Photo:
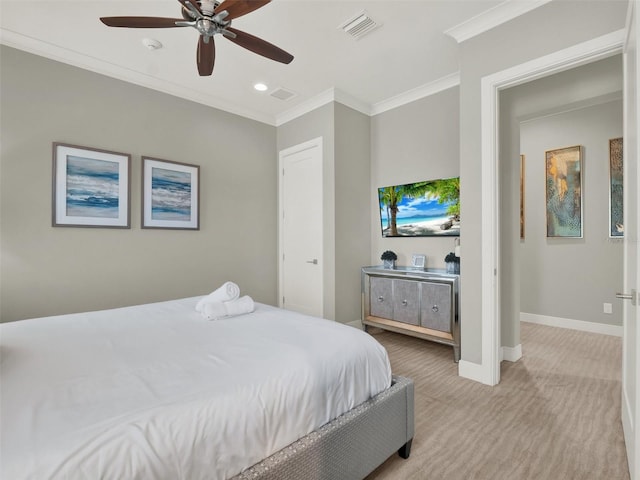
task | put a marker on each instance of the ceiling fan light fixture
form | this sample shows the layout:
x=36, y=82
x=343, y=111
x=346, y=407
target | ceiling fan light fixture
x=151, y=43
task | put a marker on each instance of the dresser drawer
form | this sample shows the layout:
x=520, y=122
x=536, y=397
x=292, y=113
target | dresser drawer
x=436, y=306
x=406, y=301
x=381, y=297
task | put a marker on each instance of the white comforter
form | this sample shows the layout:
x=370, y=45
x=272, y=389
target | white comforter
x=158, y=392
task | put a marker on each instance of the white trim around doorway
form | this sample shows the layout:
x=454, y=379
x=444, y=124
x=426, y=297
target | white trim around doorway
x=488, y=372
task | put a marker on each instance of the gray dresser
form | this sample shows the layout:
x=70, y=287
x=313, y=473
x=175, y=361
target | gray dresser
x=417, y=302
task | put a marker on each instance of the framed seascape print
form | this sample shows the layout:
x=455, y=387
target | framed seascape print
x=616, y=209
x=564, y=192
x=521, y=196
x=170, y=194
x=91, y=187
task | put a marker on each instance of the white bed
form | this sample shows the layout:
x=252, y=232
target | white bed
x=157, y=391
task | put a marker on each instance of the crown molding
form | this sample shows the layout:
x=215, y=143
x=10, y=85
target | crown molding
x=493, y=17
x=412, y=95
x=336, y=95
x=86, y=62
x=305, y=107
x=352, y=102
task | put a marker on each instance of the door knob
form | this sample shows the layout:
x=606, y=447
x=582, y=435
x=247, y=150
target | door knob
x=314, y=261
x=628, y=296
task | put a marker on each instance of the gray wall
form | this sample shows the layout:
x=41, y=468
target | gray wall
x=542, y=31
x=415, y=142
x=353, y=242
x=319, y=123
x=46, y=270
x=346, y=153
x=590, y=84
x=571, y=278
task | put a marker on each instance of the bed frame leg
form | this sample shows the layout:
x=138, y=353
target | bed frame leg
x=405, y=450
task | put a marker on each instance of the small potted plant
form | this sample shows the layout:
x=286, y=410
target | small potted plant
x=389, y=259
x=452, y=262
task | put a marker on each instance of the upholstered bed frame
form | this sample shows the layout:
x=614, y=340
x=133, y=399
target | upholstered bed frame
x=349, y=447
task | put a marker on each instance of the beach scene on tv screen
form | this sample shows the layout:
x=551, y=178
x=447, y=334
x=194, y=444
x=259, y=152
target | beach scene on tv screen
x=421, y=209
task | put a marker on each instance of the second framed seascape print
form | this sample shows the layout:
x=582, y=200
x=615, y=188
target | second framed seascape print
x=170, y=195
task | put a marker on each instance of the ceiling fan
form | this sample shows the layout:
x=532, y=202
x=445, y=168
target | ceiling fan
x=210, y=17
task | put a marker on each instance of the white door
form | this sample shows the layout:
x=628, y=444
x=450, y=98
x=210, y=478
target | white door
x=301, y=269
x=631, y=153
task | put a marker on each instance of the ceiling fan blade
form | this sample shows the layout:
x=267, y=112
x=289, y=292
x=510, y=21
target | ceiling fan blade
x=259, y=46
x=206, y=56
x=237, y=8
x=141, y=22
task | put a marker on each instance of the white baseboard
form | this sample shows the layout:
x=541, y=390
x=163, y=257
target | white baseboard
x=593, y=327
x=356, y=324
x=511, y=354
x=473, y=371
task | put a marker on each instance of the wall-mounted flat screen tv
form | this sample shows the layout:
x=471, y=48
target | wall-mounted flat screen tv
x=421, y=209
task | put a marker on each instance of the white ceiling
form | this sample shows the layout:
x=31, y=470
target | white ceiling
x=409, y=52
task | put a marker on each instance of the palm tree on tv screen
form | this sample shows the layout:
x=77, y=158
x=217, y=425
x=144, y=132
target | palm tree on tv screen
x=445, y=190
x=391, y=197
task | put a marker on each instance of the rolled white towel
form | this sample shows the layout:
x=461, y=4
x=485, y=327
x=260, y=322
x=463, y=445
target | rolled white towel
x=240, y=306
x=217, y=310
x=227, y=292
x=214, y=310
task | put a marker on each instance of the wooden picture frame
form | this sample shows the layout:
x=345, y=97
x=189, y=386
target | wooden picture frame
x=563, y=184
x=616, y=206
x=91, y=187
x=170, y=194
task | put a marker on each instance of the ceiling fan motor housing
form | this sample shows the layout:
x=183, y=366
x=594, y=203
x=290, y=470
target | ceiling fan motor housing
x=206, y=7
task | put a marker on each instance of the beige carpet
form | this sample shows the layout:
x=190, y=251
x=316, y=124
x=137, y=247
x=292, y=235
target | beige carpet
x=555, y=415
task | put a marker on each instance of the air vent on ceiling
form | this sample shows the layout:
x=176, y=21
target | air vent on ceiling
x=359, y=25
x=282, y=93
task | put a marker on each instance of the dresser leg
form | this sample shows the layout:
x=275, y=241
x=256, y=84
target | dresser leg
x=405, y=450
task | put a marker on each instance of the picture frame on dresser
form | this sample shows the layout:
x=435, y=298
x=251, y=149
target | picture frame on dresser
x=170, y=195
x=91, y=187
x=418, y=261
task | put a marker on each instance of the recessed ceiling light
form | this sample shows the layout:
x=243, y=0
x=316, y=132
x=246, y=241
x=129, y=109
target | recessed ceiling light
x=151, y=43
x=261, y=87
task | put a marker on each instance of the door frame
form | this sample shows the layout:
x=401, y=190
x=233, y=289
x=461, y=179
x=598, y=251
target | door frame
x=488, y=372
x=631, y=409
x=313, y=143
